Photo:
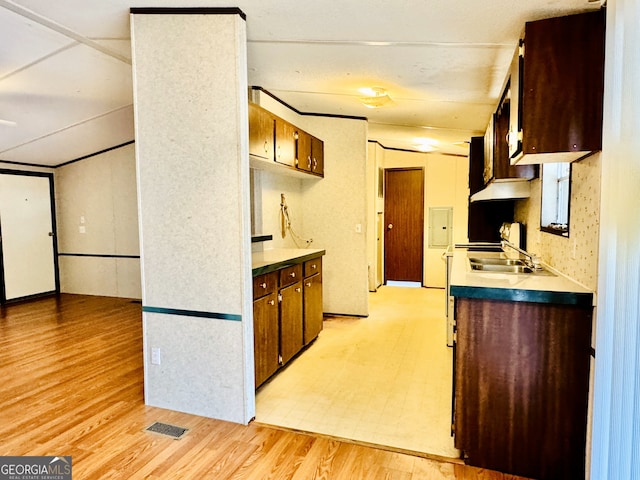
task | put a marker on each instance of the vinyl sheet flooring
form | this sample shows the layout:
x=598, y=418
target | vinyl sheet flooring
x=385, y=379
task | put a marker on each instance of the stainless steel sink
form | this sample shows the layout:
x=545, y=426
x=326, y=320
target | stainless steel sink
x=497, y=261
x=501, y=268
x=505, y=265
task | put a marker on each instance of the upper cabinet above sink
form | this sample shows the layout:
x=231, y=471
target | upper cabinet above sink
x=556, y=84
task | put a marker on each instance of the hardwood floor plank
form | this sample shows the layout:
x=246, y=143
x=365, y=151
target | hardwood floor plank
x=73, y=385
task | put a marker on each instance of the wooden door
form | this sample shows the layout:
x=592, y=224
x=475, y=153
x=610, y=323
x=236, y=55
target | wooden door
x=265, y=337
x=28, y=263
x=404, y=224
x=290, y=321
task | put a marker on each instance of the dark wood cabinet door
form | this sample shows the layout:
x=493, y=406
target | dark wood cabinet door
x=563, y=84
x=285, y=143
x=291, y=321
x=522, y=382
x=502, y=167
x=476, y=165
x=313, y=314
x=261, y=132
x=317, y=156
x=265, y=337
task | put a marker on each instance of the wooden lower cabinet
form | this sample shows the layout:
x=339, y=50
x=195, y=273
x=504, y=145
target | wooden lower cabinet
x=266, y=336
x=287, y=315
x=521, y=386
x=290, y=321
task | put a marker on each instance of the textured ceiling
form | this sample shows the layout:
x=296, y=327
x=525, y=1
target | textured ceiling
x=65, y=66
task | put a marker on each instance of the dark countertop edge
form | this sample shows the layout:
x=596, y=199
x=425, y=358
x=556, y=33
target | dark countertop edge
x=516, y=295
x=272, y=267
x=261, y=238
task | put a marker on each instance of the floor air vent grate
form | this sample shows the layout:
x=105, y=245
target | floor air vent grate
x=169, y=430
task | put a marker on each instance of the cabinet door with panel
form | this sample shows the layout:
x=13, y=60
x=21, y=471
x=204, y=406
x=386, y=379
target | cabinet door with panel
x=261, y=132
x=502, y=167
x=303, y=151
x=265, y=337
x=285, y=143
x=313, y=310
x=317, y=156
x=290, y=321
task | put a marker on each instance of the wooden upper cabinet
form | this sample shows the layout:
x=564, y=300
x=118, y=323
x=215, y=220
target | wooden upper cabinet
x=285, y=142
x=303, y=151
x=310, y=153
x=502, y=168
x=317, y=156
x=261, y=132
x=476, y=165
x=557, y=80
x=273, y=138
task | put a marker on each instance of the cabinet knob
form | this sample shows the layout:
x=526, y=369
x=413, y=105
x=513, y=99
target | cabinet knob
x=314, y=266
x=309, y=162
x=298, y=289
x=263, y=285
x=292, y=274
x=272, y=302
x=308, y=284
x=266, y=146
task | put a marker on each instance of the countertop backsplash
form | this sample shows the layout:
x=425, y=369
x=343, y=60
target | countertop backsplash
x=576, y=256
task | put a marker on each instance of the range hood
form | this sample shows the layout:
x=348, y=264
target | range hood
x=507, y=189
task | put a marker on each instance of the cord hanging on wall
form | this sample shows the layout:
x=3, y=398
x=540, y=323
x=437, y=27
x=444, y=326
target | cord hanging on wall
x=285, y=224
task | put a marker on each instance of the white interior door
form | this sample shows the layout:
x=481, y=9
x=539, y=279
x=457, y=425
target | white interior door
x=26, y=227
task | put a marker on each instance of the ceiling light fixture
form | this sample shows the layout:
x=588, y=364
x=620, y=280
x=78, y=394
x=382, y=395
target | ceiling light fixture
x=425, y=144
x=375, y=97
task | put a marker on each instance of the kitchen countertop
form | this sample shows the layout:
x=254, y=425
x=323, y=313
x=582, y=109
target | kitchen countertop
x=517, y=287
x=277, y=258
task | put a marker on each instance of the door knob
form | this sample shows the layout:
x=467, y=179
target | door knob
x=390, y=226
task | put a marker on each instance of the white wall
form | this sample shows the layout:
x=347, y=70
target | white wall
x=616, y=424
x=192, y=138
x=325, y=209
x=98, y=194
x=446, y=185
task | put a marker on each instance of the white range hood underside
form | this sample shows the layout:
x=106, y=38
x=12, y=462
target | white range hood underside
x=503, y=190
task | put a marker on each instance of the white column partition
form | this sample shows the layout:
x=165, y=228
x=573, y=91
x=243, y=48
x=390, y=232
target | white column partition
x=191, y=124
x=615, y=451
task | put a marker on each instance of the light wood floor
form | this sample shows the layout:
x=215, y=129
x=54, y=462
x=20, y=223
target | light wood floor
x=71, y=384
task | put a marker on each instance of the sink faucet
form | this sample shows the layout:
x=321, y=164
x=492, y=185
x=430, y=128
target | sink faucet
x=531, y=259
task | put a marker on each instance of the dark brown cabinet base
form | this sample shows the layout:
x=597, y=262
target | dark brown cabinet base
x=287, y=315
x=521, y=389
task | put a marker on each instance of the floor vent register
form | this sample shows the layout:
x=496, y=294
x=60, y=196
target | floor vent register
x=168, y=430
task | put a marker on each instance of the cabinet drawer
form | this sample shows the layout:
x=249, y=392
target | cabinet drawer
x=311, y=267
x=290, y=275
x=265, y=284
